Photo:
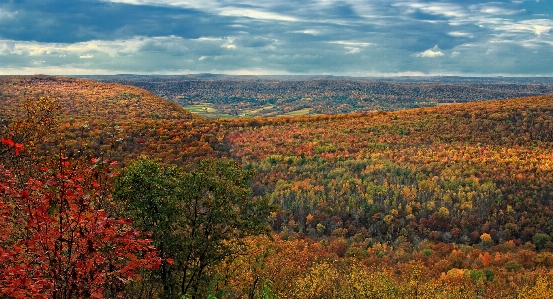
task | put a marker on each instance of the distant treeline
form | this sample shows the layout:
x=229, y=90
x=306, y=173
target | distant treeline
x=267, y=96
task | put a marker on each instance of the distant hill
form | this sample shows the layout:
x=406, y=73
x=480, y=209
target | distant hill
x=223, y=96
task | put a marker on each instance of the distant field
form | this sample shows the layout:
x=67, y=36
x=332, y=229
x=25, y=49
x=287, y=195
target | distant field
x=206, y=110
x=256, y=112
x=300, y=112
x=202, y=108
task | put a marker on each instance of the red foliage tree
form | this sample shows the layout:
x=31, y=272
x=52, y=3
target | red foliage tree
x=55, y=244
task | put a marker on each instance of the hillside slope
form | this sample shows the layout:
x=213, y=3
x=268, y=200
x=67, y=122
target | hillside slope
x=449, y=173
x=114, y=120
x=84, y=98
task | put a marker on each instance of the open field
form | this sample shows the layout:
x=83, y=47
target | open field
x=206, y=110
x=300, y=112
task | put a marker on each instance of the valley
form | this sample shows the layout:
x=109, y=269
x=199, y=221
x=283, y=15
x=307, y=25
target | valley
x=270, y=96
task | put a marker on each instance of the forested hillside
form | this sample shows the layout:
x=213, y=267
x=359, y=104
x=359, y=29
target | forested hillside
x=114, y=120
x=220, y=96
x=448, y=173
x=436, y=202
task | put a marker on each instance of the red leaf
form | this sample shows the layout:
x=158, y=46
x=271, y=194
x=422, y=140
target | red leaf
x=8, y=141
x=24, y=194
x=27, y=262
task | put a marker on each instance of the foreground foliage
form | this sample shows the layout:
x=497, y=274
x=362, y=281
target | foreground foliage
x=56, y=244
x=295, y=267
x=196, y=217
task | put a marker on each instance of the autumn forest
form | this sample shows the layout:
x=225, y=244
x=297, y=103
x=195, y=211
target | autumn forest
x=108, y=190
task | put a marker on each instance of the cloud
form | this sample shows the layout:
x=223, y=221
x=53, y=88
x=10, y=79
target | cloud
x=431, y=53
x=460, y=34
x=352, y=47
x=308, y=31
x=195, y=4
x=209, y=39
x=537, y=27
x=351, y=43
x=215, y=7
x=229, y=45
x=439, y=9
x=81, y=50
x=5, y=15
x=342, y=37
x=256, y=14
x=495, y=10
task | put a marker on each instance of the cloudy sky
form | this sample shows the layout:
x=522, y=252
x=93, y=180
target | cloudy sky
x=335, y=37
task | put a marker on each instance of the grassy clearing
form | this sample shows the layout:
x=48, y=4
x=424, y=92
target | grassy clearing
x=201, y=108
x=256, y=111
x=300, y=112
x=206, y=110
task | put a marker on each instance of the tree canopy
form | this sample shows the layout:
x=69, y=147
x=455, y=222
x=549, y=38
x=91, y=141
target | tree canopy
x=196, y=217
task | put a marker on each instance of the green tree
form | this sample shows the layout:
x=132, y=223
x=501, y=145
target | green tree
x=195, y=217
x=513, y=266
x=147, y=193
x=540, y=239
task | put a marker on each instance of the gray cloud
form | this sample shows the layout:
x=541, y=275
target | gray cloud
x=342, y=37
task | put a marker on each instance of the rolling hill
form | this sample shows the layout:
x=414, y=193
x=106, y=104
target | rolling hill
x=109, y=119
x=448, y=173
x=462, y=192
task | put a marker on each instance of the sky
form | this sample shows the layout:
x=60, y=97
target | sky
x=360, y=38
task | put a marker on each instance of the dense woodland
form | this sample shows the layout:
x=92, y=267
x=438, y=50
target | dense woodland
x=216, y=96
x=439, y=202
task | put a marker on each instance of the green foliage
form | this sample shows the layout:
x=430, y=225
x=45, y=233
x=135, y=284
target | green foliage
x=513, y=266
x=477, y=276
x=540, y=239
x=267, y=291
x=325, y=149
x=196, y=217
x=146, y=193
x=488, y=273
